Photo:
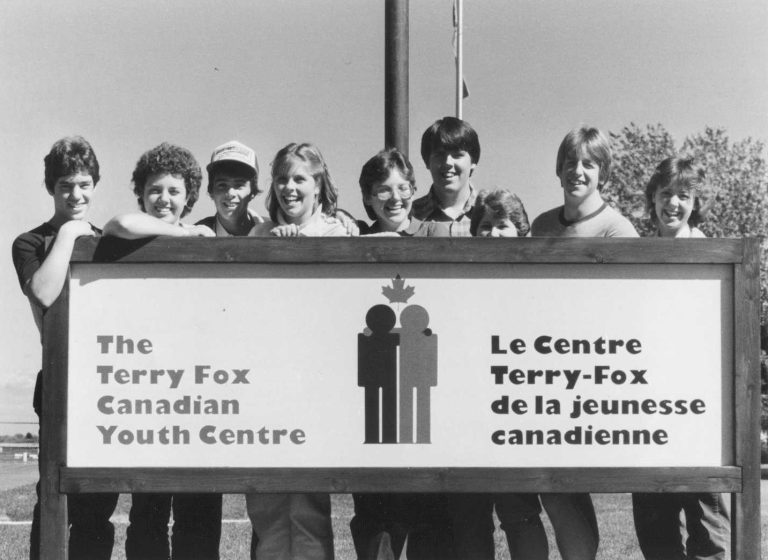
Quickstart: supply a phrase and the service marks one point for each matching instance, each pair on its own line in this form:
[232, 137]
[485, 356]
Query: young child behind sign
[41, 258]
[678, 198]
[500, 213]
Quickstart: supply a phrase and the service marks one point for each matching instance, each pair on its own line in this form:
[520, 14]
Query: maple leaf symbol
[399, 292]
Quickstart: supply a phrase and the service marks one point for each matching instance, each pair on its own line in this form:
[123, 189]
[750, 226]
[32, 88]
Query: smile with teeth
[672, 215]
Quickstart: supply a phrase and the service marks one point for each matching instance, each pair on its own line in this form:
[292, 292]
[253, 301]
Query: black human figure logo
[418, 372]
[377, 369]
[380, 370]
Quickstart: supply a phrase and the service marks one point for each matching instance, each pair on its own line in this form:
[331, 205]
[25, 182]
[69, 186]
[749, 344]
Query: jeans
[573, 519]
[291, 526]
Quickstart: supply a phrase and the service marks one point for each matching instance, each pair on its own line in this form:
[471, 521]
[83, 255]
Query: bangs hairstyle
[234, 169]
[71, 154]
[683, 173]
[377, 170]
[590, 141]
[173, 160]
[502, 204]
[308, 154]
[450, 133]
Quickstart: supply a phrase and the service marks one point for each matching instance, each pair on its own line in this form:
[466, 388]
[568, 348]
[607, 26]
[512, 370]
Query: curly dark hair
[171, 159]
[72, 154]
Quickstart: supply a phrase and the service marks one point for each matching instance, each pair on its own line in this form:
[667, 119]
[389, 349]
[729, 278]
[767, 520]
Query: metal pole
[459, 58]
[396, 75]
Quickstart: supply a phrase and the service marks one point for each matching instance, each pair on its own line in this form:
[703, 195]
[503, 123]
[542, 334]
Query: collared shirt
[416, 228]
[428, 209]
[218, 228]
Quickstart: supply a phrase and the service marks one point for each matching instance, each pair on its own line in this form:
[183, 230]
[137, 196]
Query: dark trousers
[661, 536]
[91, 534]
[196, 527]
[382, 522]
[519, 515]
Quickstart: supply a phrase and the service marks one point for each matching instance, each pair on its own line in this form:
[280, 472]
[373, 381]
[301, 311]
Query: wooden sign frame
[742, 479]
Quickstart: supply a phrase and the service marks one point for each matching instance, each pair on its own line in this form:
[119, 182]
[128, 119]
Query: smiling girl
[302, 196]
[678, 198]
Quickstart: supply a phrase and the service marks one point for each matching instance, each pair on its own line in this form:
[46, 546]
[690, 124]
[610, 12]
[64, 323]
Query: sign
[400, 365]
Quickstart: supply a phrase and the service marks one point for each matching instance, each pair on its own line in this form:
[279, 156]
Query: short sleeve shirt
[29, 251]
[605, 222]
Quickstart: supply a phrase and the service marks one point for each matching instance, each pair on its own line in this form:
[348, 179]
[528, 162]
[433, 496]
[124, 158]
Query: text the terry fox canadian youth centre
[183, 404]
[585, 413]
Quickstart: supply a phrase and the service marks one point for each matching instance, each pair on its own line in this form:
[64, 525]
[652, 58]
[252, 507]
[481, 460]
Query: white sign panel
[383, 365]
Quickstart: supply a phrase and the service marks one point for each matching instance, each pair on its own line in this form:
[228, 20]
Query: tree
[736, 171]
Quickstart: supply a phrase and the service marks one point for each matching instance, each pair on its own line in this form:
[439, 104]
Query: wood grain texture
[342, 480]
[407, 250]
[746, 505]
[53, 429]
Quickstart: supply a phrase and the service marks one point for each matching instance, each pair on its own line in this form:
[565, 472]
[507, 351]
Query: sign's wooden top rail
[413, 250]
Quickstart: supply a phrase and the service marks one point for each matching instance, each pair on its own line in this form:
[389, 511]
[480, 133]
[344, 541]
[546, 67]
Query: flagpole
[459, 58]
[396, 75]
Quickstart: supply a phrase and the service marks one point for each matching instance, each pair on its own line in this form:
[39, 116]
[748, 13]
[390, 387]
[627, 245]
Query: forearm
[137, 226]
[46, 283]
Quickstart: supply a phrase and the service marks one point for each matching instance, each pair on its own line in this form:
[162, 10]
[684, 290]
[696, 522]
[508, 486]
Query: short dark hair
[71, 154]
[450, 133]
[686, 173]
[503, 204]
[378, 168]
[171, 159]
[234, 169]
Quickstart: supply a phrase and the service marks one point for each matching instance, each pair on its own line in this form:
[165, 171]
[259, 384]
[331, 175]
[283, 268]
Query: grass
[614, 516]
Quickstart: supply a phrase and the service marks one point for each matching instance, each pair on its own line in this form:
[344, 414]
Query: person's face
[579, 176]
[72, 196]
[296, 192]
[391, 201]
[165, 196]
[450, 170]
[231, 195]
[673, 205]
[492, 225]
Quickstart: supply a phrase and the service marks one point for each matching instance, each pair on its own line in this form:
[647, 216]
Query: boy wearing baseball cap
[233, 177]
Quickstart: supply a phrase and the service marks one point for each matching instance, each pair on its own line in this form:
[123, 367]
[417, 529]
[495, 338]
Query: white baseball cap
[234, 151]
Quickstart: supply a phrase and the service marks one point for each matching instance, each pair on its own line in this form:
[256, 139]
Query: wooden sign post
[519, 365]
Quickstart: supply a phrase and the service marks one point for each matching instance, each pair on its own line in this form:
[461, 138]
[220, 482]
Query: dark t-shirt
[28, 252]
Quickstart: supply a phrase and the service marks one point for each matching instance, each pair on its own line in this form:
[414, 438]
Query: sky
[129, 75]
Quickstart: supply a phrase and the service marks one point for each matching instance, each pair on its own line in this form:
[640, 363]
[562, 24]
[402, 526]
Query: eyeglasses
[403, 191]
